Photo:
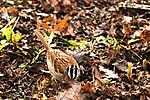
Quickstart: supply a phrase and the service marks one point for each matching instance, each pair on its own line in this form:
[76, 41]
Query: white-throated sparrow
[62, 66]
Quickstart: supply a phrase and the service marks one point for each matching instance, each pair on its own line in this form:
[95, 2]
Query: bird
[62, 67]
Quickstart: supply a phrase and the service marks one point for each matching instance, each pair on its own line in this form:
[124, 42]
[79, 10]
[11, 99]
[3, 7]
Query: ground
[110, 39]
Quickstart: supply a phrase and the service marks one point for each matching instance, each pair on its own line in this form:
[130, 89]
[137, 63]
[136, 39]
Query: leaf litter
[110, 39]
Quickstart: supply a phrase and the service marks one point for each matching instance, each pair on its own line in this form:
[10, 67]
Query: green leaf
[82, 44]
[13, 37]
[134, 27]
[38, 53]
[3, 31]
[71, 47]
[117, 47]
[10, 35]
[16, 37]
[134, 41]
[1, 46]
[100, 38]
[107, 81]
[73, 42]
[22, 65]
[7, 32]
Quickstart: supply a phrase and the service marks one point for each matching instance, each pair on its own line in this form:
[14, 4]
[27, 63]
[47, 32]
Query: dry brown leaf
[45, 25]
[129, 27]
[144, 34]
[73, 93]
[13, 11]
[53, 2]
[88, 88]
[62, 24]
[47, 19]
[70, 31]
[100, 85]
[35, 96]
[108, 73]
[112, 31]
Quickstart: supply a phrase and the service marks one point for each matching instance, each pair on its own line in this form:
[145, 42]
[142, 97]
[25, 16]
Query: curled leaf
[130, 66]
[132, 41]
[141, 74]
[144, 64]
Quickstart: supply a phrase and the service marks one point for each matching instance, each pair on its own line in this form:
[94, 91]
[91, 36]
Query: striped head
[73, 72]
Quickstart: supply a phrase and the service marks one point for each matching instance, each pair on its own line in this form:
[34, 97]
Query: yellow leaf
[144, 64]
[16, 37]
[130, 66]
[44, 83]
[44, 97]
[139, 77]
[35, 96]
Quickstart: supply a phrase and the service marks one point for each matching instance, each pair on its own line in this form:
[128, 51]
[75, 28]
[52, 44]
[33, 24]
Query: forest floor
[109, 38]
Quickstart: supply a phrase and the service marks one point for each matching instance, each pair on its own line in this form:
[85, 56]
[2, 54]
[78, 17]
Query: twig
[15, 24]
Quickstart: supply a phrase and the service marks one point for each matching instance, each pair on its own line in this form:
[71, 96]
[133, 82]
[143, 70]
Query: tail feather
[57, 76]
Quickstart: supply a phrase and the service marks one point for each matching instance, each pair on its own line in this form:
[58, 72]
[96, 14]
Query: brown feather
[57, 61]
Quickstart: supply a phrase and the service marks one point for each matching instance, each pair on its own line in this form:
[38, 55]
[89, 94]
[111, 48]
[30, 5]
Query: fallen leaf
[13, 11]
[141, 74]
[144, 34]
[45, 25]
[129, 73]
[88, 87]
[127, 19]
[62, 24]
[72, 93]
[47, 19]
